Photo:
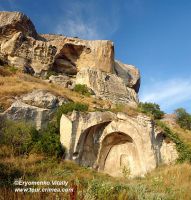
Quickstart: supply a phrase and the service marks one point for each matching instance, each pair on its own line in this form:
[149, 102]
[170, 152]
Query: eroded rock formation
[36, 108]
[22, 47]
[113, 143]
[108, 142]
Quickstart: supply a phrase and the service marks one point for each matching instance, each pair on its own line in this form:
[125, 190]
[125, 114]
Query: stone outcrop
[110, 142]
[13, 22]
[107, 86]
[129, 74]
[36, 108]
[36, 116]
[113, 143]
[62, 80]
[35, 54]
[22, 47]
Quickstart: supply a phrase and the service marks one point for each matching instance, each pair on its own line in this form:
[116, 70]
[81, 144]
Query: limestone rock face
[20, 111]
[36, 108]
[41, 98]
[107, 86]
[23, 47]
[129, 74]
[63, 80]
[112, 143]
[13, 22]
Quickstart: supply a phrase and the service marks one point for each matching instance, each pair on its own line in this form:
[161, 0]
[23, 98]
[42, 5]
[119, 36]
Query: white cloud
[78, 28]
[169, 94]
[85, 20]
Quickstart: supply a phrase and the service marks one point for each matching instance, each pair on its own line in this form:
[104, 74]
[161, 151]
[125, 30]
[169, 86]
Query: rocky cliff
[107, 141]
[91, 62]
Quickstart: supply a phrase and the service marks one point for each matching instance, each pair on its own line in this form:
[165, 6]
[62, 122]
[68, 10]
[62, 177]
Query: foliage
[183, 118]
[24, 139]
[126, 171]
[1, 108]
[48, 141]
[82, 89]
[50, 73]
[182, 148]
[17, 135]
[69, 107]
[151, 109]
[12, 69]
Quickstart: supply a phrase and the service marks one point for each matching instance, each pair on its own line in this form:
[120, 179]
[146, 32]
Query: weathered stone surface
[63, 80]
[129, 74]
[36, 108]
[37, 54]
[77, 53]
[20, 111]
[166, 152]
[23, 47]
[41, 98]
[107, 86]
[113, 143]
[12, 22]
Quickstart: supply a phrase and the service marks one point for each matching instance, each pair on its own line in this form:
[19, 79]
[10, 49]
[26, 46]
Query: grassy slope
[172, 182]
[18, 84]
[167, 182]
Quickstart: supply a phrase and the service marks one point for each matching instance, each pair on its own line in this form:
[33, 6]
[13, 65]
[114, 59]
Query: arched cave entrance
[88, 145]
[119, 155]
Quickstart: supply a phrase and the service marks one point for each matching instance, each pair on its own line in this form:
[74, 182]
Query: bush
[18, 135]
[151, 109]
[82, 89]
[48, 141]
[23, 139]
[12, 69]
[50, 73]
[183, 118]
[69, 107]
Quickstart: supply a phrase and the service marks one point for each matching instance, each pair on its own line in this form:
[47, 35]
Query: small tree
[183, 118]
[152, 109]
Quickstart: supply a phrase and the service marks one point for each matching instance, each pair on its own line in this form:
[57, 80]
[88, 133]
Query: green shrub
[69, 107]
[151, 109]
[50, 73]
[23, 139]
[82, 89]
[183, 118]
[12, 69]
[48, 142]
[17, 135]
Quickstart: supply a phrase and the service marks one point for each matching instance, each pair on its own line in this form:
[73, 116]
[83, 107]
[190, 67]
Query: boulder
[41, 99]
[107, 86]
[36, 108]
[129, 74]
[62, 80]
[20, 111]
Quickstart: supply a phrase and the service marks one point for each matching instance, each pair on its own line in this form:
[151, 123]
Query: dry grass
[174, 182]
[174, 179]
[18, 84]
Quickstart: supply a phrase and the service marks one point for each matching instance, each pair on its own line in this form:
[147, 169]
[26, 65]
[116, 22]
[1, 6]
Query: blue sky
[153, 35]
